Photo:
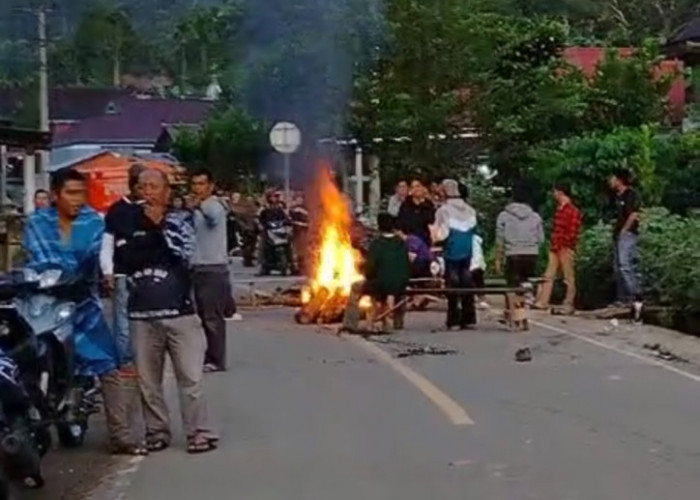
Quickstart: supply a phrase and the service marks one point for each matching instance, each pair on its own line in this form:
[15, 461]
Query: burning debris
[335, 263]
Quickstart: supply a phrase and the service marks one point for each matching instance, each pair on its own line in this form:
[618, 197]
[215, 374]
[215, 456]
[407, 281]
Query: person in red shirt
[562, 253]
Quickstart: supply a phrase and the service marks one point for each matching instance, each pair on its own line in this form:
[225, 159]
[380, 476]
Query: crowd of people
[163, 259]
[166, 271]
[440, 219]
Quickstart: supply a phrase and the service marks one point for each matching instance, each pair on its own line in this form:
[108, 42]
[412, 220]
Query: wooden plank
[465, 291]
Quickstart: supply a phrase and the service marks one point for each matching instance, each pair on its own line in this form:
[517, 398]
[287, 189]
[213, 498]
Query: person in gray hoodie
[519, 234]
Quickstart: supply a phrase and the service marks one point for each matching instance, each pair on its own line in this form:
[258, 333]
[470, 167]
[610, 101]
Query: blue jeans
[120, 320]
[626, 273]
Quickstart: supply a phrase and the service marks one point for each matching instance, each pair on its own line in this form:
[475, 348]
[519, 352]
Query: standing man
[42, 199]
[212, 285]
[68, 237]
[162, 320]
[118, 228]
[562, 252]
[397, 199]
[626, 236]
[519, 234]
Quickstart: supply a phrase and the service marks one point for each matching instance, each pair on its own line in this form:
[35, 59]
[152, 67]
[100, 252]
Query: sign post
[285, 137]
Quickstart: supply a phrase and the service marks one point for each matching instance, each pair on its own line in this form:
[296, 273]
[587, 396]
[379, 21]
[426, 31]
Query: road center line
[624, 352]
[452, 410]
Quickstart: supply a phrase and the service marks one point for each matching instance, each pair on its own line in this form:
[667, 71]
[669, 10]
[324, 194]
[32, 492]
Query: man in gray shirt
[212, 286]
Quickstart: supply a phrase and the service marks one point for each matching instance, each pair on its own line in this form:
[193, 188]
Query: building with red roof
[588, 59]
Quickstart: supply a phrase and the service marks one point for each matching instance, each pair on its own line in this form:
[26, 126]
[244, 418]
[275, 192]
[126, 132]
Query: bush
[669, 252]
[595, 282]
[669, 257]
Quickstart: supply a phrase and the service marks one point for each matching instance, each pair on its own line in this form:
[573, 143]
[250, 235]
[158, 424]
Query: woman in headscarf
[455, 225]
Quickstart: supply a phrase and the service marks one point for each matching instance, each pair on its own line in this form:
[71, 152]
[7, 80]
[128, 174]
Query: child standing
[387, 267]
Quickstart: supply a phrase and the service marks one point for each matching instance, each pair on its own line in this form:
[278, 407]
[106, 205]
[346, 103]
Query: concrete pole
[29, 174]
[3, 177]
[43, 167]
[287, 181]
[375, 187]
[359, 187]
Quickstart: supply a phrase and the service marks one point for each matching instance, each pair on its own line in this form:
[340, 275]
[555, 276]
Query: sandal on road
[129, 450]
[210, 436]
[200, 443]
[156, 445]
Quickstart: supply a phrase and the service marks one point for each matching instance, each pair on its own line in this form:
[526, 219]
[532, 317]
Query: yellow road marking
[452, 410]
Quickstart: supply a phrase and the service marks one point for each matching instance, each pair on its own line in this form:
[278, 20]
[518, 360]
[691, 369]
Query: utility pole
[43, 170]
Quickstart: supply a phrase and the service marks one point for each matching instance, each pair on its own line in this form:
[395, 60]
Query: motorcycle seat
[10, 285]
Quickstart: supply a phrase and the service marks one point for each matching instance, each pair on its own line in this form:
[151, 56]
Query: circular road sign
[285, 137]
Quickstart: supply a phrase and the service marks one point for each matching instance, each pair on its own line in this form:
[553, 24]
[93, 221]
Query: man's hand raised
[154, 212]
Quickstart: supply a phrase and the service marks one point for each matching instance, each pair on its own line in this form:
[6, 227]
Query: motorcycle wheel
[283, 263]
[68, 434]
[4, 488]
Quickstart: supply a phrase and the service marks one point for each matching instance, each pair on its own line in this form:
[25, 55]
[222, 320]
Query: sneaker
[237, 317]
[482, 305]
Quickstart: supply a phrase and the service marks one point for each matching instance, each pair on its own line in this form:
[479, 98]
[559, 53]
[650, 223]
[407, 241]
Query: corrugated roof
[135, 121]
[689, 32]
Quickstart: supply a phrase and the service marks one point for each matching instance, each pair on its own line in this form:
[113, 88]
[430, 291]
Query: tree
[629, 92]
[230, 143]
[205, 35]
[104, 45]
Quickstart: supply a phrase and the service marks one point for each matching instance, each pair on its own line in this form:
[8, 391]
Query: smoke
[298, 61]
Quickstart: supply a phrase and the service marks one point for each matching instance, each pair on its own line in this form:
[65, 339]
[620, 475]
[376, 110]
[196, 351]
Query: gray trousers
[122, 403]
[626, 271]
[212, 296]
[183, 340]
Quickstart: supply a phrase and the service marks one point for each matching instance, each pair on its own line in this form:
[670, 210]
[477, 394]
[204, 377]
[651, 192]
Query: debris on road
[405, 349]
[523, 355]
[664, 354]
[425, 351]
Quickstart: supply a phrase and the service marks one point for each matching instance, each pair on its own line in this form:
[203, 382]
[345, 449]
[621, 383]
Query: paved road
[305, 415]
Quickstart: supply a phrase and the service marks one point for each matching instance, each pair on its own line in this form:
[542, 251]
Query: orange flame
[335, 266]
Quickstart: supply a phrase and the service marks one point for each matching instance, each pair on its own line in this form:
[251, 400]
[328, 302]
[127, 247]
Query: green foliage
[528, 95]
[104, 45]
[586, 162]
[679, 164]
[628, 92]
[203, 41]
[595, 281]
[230, 144]
[669, 250]
[531, 96]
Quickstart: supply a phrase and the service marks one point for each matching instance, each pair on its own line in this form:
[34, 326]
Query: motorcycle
[277, 235]
[37, 339]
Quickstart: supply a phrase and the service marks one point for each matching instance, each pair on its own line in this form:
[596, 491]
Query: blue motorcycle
[40, 390]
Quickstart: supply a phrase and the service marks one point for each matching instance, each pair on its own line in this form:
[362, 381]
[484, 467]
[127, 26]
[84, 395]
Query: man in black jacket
[417, 213]
[162, 316]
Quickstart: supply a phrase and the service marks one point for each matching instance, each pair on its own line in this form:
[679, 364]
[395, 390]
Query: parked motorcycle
[277, 247]
[37, 346]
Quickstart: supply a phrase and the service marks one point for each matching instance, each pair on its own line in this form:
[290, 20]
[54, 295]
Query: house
[88, 120]
[133, 124]
[108, 174]
[587, 60]
[684, 44]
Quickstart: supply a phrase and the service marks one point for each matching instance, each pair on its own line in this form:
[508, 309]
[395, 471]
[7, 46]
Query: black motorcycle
[277, 247]
[37, 346]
